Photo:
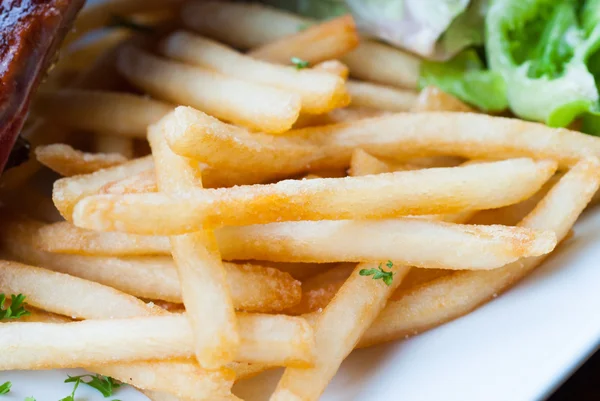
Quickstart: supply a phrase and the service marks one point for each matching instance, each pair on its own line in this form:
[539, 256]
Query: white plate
[518, 347]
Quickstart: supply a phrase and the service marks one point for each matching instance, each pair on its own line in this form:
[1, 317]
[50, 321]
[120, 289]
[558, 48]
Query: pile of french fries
[232, 202]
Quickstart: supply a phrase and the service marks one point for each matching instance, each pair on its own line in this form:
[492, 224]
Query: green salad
[540, 59]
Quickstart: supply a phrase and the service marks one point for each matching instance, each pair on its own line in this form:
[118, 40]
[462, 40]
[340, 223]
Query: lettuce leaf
[541, 49]
[466, 77]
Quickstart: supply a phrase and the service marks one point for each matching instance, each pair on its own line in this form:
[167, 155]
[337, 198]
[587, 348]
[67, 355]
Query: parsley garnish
[299, 63]
[104, 384]
[379, 273]
[29, 399]
[15, 310]
[5, 387]
[72, 396]
[118, 21]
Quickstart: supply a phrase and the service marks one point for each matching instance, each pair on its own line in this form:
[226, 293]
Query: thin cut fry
[253, 288]
[242, 25]
[430, 191]
[68, 191]
[362, 163]
[334, 67]
[67, 161]
[319, 290]
[269, 339]
[434, 99]
[418, 309]
[319, 92]
[99, 111]
[337, 330]
[255, 106]
[203, 283]
[135, 184]
[365, 94]
[331, 39]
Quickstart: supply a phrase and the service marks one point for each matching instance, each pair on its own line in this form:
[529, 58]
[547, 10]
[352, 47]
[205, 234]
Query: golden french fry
[253, 288]
[164, 396]
[416, 277]
[137, 183]
[418, 309]
[67, 161]
[203, 283]
[404, 241]
[99, 111]
[432, 98]
[269, 339]
[299, 271]
[337, 330]
[365, 94]
[78, 56]
[362, 163]
[319, 290]
[430, 191]
[333, 67]
[319, 92]
[242, 25]
[68, 191]
[235, 147]
[256, 106]
[318, 42]
[46, 289]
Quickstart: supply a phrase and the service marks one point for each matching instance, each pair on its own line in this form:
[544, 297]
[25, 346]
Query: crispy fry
[337, 330]
[432, 98]
[319, 92]
[334, 67]
[203, 283]
[68, 191]
[418, 309]
[135, 184]
[269, 339]
[242, 25]
[362, 163]
[331, 39]
[431, 191]
[253, 288]
[255, 106]
[319, 290]
[67, 161]
[365, 94]
[98, 111]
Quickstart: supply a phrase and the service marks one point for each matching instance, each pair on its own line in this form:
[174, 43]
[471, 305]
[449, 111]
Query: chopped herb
[16, 308]
[5, 387]
[104, 384]
[119, 21]
[379, 273]
[72, 396]
[299, 63]
[29, 399]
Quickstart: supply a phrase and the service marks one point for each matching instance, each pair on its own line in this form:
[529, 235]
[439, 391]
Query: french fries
[67, 161]
[269, 339]
[319, 92]
[380, 97]
[241, 25]
[337, 330]
[253, 288]
[203, 283]
[316, 43]
[255, 106]
[431, 191]
[104, 112]
[418, 308]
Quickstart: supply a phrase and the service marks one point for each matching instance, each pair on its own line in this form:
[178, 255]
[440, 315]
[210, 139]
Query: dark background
[584, 385]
